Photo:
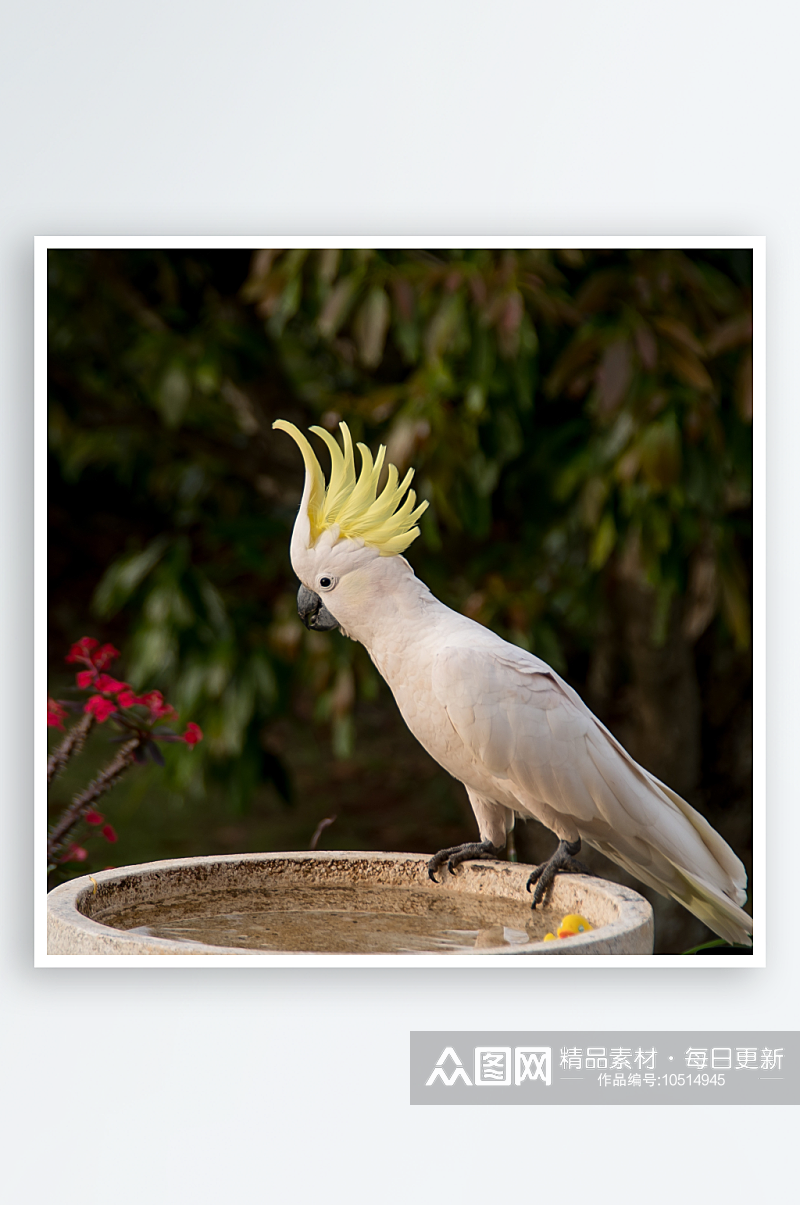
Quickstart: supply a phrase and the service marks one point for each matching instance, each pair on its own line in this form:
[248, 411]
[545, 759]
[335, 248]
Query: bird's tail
[717, 907]
[713, 897]
[714, 909]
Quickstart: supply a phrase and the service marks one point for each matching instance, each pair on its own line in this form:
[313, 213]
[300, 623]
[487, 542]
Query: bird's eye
[326, 582]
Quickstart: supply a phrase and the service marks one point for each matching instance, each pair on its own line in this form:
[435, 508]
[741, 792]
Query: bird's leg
[562, 860]
[462, 853]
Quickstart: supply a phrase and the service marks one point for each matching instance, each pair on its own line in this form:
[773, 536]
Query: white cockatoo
[497, 718]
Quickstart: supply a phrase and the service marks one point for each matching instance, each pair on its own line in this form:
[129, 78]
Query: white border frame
[42, 244]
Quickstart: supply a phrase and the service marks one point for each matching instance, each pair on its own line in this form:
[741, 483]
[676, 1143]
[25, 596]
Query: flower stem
[81, 803]
[72, 743]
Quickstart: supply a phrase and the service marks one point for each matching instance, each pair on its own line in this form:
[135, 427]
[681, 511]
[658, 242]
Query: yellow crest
[352, 503]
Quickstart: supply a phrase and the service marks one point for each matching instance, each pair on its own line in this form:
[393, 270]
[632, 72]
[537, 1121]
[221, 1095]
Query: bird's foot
[462, 853]
[564, 861]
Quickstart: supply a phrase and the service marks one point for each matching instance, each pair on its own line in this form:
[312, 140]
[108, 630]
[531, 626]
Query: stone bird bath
[336, 903]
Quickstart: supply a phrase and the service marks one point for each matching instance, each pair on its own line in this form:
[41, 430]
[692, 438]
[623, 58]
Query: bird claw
[541, 890]
[456, 854]
[562, 860]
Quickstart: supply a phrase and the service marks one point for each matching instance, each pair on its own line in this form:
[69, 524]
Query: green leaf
[343, 733]
[660, 454]
[603, 543]
[153, 654]
[336, 308]
[443, 326]
[124, 575]
[475, 399]
[173, 394]
[719, 945]
[370, 327]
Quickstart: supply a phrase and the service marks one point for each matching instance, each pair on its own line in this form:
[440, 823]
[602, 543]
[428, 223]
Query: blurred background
[580, 423]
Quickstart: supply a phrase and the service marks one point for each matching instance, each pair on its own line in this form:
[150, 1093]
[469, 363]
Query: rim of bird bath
[76, 910]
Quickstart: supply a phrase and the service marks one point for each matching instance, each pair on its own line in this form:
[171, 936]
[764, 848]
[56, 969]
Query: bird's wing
[526, 727]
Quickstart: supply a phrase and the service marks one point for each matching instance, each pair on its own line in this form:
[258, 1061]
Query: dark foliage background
[580, 422]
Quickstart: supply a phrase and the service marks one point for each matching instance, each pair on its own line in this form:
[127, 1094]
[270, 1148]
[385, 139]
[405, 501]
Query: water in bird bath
[363, 919]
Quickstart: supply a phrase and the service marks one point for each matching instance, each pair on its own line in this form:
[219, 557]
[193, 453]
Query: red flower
[85, 678]
[109, 833]
[104, 656]
[126, 698]
[193, 734]
[75, 853]
[82, 651]
[86, 650]
[109, 685]
[158, 708]
[93, 817]
[55, 714]
[100, 708]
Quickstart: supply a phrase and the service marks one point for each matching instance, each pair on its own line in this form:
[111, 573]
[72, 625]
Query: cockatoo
[497, 718]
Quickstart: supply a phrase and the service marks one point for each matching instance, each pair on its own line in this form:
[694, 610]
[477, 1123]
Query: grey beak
[313, 613]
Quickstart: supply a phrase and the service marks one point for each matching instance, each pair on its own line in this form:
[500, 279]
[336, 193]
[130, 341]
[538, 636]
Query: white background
[359, 118]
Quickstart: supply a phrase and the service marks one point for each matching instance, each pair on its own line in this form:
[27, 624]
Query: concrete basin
[336, 903]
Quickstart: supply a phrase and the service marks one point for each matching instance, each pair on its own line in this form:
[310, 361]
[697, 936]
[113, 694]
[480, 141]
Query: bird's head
[344, 529]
